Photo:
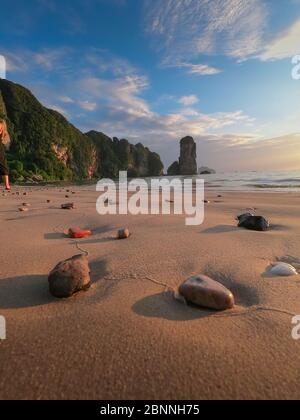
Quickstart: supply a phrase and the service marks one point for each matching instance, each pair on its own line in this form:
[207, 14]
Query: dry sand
[126, 338]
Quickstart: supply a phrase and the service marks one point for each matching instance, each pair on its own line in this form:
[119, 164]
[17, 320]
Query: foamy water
[254, 181]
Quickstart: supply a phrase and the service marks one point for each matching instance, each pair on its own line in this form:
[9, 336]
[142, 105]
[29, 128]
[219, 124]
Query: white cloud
[47, 59]
[123, 112]
[87, 106]
[202, 69]
[286, 45]
[186, 29]
[66, 99]
[59, 109]
[188, 100]
[198, 69]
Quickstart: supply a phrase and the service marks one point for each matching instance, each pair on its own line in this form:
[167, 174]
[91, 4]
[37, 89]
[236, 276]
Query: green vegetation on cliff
[119, 155]
[44, 143]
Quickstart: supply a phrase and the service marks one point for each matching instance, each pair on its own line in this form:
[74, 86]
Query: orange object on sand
[78, 233]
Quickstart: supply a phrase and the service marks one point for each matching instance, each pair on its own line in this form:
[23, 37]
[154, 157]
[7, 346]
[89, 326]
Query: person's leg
[6, 181]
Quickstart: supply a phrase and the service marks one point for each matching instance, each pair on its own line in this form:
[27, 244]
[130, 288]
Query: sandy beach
[126, 338]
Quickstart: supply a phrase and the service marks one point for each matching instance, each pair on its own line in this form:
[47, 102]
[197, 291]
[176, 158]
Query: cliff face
[187, 164]
[119, 155]
[188, 156]
[44, 143]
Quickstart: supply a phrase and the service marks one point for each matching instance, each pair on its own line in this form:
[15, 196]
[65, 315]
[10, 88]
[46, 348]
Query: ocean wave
[273, 186]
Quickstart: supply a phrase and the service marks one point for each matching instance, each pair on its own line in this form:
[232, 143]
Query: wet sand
[127, 339]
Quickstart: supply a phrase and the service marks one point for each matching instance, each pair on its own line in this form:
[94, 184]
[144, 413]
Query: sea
[261, 181]
[272, 181]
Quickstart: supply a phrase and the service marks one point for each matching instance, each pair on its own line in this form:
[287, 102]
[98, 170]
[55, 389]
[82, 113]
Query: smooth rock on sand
[244, 216]
[283, 270]
[123, 233]
[258, 223]
[78, 233]
[205, 292]
[70, 276]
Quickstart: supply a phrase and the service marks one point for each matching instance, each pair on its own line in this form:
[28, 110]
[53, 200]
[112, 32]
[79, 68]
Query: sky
[153, 71]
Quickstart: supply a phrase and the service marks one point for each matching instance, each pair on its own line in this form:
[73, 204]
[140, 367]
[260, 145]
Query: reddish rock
[207, 293]
[78, 233]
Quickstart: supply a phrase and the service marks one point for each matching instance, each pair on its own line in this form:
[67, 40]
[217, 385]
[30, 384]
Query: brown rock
[68, 206]
[70, 276]
[123, 234]
[203, 291]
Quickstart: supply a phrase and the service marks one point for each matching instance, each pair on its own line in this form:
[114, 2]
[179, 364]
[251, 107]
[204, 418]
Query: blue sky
[156, 70]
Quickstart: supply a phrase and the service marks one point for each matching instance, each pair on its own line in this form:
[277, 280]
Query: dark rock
[68, 206]
[174, 169]
[188, 156]
[206, 171]
[244, 216]
[207, 293]
[69, 277]
[257, 223]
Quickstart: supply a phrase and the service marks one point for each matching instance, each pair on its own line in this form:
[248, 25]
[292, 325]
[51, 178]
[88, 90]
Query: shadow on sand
[220, 229]
[32, 290]
[24, 292]
[164, 306]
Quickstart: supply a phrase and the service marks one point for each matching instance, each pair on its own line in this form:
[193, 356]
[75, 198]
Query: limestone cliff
[187, 164]
[45, 144]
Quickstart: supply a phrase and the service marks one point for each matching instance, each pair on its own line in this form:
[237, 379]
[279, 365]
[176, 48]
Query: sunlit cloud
[285, 45]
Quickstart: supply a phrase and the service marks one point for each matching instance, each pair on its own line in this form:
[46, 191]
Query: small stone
[68, 206]
[203, 291]
[251, 222]
[123, 234]
[78, 233]
[70, 276]
[23, 209]
[282, 269]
